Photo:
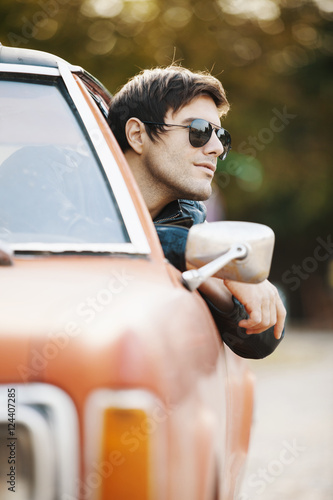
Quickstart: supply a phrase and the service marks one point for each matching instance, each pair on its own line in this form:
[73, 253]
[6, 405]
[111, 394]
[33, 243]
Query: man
[167, 122]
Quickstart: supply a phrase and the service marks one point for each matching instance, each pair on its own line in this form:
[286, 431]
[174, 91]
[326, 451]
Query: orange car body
[161, 409]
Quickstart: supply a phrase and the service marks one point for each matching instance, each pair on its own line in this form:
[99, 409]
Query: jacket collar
[170, 212]
[183, 213]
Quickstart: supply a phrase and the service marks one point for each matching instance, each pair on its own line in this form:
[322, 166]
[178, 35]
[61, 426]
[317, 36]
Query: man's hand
[263, 305]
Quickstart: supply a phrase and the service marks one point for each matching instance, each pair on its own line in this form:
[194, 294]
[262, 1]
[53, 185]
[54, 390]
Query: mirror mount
[233, 250]
[194, 278]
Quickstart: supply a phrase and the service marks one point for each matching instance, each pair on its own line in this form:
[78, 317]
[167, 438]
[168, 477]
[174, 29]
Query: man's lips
[208, 165]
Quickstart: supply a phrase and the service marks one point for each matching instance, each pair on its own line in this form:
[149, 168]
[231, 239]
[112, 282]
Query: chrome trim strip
[33, 70]
[45, 470]
[107, 248]
[54, 429]
[43, 479]
[122, 398]
[125, 203]
[62, 413]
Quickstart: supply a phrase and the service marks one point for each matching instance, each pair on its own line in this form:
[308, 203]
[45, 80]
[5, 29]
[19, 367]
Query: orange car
[114, 383]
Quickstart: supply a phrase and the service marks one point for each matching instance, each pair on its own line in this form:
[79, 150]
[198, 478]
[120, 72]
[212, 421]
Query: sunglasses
[200, 132]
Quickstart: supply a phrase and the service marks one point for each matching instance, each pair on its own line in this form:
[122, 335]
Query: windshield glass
[52, 186]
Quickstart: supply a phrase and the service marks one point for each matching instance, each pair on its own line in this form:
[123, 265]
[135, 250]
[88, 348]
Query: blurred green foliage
[275, 60]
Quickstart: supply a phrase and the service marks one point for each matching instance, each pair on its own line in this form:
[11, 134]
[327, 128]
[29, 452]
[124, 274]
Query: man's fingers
[272, 313]
[268, 318]
[281, 317]
[276, 318]
[253, 320]
[263, 305]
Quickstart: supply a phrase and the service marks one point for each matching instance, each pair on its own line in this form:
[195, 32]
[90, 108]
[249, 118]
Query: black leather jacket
[172, 226]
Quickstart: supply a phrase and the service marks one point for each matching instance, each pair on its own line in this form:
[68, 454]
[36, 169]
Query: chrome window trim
[138, 242]
[105, 248]
[96, 89]
[120, 191]
[32, 70]
[63, 429]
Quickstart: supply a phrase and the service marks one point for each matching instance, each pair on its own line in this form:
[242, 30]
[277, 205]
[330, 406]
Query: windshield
[52, 186]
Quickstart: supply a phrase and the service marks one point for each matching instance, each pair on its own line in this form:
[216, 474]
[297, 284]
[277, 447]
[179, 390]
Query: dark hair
[150, 94]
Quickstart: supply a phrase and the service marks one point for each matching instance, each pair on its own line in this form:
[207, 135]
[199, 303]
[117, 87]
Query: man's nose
[213, 146]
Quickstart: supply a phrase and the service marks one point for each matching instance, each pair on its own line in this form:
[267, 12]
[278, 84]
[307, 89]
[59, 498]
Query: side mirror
[239, 251]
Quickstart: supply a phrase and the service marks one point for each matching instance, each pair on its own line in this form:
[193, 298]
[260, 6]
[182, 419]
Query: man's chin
[203, 195]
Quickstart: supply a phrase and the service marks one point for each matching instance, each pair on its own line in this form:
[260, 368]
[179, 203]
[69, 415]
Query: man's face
[175, 166]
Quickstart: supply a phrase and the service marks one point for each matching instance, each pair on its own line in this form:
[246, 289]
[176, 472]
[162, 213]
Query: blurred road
[291, 449]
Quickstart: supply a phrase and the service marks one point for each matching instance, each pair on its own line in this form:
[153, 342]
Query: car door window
[52, 185]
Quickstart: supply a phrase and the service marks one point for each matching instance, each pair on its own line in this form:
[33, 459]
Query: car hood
[85, 322]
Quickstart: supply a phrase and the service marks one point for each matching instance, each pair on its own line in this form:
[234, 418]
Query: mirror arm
[194, 278]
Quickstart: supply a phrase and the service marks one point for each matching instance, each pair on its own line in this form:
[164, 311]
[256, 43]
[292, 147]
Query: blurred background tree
[274, 58]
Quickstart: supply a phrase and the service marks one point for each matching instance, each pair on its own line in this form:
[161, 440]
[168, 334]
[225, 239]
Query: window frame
[138, 244]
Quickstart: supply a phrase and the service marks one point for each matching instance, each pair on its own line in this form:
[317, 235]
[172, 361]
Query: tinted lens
[200, 133]
[225, 138]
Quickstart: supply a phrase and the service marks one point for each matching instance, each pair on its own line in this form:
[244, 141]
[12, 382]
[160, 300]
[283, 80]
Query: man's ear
[135, 132]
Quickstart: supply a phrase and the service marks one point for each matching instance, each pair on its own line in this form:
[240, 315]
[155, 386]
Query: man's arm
[245, 314]
[246, 334]
[261, 301]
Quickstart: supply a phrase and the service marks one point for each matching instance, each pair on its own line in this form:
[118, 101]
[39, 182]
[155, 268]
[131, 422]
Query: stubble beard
[193, 190]
[173, 186]
[184, 188]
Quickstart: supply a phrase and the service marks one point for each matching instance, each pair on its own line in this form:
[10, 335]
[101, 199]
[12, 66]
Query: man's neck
[154, 203]
[156, 197]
